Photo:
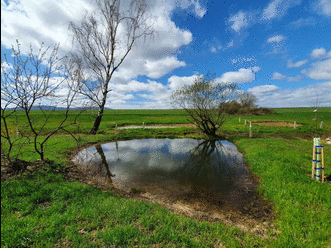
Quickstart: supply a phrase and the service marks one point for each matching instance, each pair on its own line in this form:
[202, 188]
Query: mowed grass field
[41, 209]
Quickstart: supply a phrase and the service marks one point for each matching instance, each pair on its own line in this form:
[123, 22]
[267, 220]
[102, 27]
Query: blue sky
[279, 50]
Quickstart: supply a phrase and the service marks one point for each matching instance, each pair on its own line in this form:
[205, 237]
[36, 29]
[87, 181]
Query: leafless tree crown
[205, 102]
[103, 40]
[32, 81]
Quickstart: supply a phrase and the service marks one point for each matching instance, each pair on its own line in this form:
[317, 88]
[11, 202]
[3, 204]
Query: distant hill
[45, 107]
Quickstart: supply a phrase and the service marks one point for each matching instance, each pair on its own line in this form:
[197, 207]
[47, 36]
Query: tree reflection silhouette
[208, 171]
[98, 169]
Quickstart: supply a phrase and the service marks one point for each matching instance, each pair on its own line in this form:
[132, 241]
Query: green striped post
[317, 144]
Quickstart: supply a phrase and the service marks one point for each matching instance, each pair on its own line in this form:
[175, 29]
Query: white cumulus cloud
[275, 97]
[320, 53]
[276, 38]
[281, 77]
[176, 82]
[36, 21]
[199, 11]
[258, 90]
[323, 7]
[157, 69]
[290, 64]
[241, 76]
[239, 21]
[297, 78]
[319, 70]
[136, 86]
[278, 76]
[278, 8]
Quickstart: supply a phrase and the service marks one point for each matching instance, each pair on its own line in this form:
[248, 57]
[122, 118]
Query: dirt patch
[157, 126]
[14, 168]
[254, 216]
[263, 123]
[276, 124]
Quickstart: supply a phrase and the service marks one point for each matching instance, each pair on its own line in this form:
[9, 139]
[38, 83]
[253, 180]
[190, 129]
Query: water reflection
[104, 164]
[173, 169]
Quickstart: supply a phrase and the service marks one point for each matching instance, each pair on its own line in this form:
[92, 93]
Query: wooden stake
[313, 165]
[17, 131]
[250, 129]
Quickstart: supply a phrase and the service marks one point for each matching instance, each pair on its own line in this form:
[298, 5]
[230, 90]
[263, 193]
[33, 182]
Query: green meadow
[40, 208]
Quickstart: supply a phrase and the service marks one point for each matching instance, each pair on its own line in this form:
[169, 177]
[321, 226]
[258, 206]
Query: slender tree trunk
[97, 122]
[42, 152]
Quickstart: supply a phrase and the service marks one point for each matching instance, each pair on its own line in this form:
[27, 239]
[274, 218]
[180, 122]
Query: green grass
[41, 209]
[303, 206]
[304, 116]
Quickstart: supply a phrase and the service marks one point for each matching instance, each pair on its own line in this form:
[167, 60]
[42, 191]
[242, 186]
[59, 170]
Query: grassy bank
[41, 209]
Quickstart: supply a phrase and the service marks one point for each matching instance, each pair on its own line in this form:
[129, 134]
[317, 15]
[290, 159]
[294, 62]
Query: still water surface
[174, 170]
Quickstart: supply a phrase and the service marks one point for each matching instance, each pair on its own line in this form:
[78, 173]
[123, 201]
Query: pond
[195, 176]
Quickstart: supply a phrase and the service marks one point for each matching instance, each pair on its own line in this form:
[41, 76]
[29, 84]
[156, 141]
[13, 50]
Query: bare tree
[8, 109]
[104, 38]
[205, 102]
[38, 81]
[247, 99]
[6, 112]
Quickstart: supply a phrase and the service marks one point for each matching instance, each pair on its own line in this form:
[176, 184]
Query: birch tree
[103, 40]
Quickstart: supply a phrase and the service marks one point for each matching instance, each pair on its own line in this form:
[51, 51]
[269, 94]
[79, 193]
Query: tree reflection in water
[173, 169]
[208, 172]
[102, 165]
